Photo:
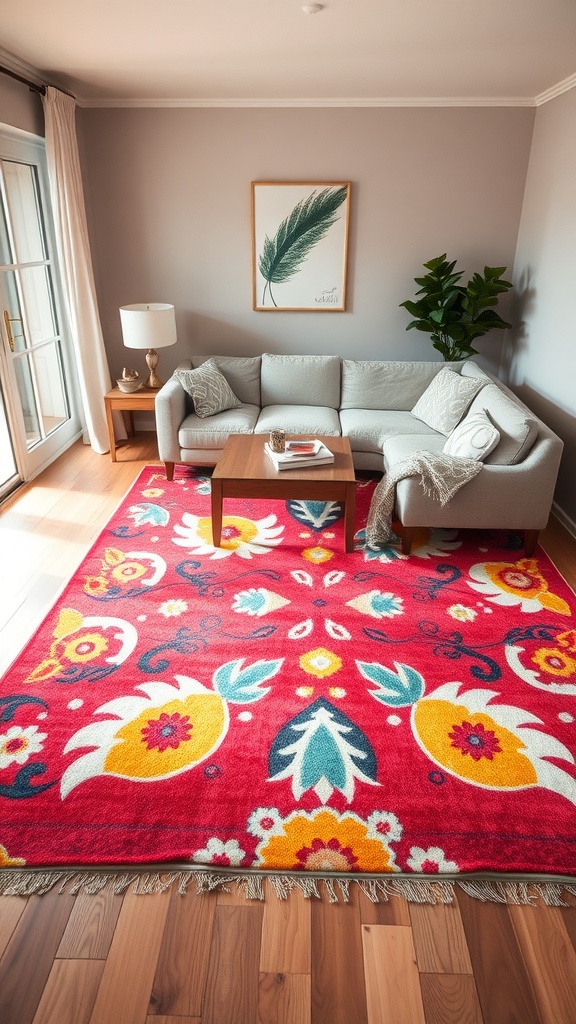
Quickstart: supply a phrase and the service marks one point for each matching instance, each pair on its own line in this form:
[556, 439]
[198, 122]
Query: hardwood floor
[217, 958]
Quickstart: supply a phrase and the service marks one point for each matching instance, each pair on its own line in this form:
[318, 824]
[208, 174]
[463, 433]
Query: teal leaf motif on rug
[146, 512]
[242, 686]
[397, 689]
[315, 514]
[323, 750]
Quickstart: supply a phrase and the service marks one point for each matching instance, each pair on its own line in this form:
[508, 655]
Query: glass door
[37, 418]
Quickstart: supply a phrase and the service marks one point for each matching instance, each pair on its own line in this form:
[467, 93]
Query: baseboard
[563, 518]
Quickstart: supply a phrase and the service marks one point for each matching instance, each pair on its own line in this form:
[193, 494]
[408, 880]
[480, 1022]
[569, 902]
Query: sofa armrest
[171, 406]
[499, 497]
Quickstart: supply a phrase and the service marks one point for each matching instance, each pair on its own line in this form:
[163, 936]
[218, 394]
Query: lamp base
[153, 380]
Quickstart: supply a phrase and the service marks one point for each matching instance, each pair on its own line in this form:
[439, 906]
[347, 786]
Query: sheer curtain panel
[76, 264]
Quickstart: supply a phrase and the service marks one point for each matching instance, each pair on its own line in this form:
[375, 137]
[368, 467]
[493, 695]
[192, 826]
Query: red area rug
[278, 705]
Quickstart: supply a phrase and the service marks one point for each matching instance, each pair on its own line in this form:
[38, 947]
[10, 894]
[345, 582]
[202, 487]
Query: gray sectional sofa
[389, 410]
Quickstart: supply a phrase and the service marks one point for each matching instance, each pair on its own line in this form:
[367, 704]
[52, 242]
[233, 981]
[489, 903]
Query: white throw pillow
[209, 389]
[446, 399]
[474, 438]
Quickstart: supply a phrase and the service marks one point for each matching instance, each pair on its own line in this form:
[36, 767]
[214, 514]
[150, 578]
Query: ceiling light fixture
[312, 8]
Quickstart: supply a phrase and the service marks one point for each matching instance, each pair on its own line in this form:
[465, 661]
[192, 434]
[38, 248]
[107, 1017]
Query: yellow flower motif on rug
[510, 583]
[240, 536]
[84, 643]
[6, 861]
[324, 840]
[165, 732]
[320, 663]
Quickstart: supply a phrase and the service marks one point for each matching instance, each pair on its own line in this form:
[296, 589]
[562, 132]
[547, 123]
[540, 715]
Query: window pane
[35, 289]
[50, 386]
[5, 250]
[37, 300]
[27, 401]
[14, 313]
[7, 460]
[27, 229]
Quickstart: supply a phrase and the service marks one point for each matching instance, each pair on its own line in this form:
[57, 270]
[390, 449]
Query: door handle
[9, 320]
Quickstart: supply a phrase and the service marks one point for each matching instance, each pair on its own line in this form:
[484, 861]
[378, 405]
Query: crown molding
[342, 102]
[19, 67]
[555, 90]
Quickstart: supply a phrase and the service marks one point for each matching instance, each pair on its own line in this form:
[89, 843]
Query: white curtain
[76, 264]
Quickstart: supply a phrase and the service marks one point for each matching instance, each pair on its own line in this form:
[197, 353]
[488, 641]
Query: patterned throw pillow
[209, 388]
[474, 438]
[446, 399]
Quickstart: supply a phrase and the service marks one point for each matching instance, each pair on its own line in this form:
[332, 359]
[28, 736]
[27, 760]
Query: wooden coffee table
[245, 471]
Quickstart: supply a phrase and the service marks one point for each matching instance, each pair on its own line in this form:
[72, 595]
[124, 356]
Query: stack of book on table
[299, 454]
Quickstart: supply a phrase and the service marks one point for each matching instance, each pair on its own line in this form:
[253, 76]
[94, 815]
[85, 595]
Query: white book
[294, 460]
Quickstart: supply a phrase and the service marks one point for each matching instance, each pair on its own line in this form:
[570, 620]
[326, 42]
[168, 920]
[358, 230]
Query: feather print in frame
[299, 245]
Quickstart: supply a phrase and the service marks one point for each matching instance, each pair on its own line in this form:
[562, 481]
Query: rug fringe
[518, 892]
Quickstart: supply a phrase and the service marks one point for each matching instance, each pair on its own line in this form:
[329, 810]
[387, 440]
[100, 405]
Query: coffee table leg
[216, 512]
[350, 516]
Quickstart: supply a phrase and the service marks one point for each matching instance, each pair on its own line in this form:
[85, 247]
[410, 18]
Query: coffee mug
[278, 440]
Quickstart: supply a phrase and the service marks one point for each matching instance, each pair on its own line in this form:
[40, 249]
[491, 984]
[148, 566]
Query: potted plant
[454, 315]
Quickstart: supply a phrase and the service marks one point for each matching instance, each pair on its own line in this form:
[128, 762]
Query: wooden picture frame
[300, 245]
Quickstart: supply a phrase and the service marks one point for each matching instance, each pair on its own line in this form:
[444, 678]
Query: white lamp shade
[148, 325]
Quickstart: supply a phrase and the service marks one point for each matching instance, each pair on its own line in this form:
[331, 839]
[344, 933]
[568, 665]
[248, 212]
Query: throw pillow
[209, 389]
[446, 399]
[474, 438]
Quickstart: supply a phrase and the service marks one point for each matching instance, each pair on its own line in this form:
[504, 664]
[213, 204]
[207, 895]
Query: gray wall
[20, 107]
[543, 350]
[168, 194]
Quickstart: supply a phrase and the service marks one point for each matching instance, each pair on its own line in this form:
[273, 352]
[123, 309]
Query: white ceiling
[242, 52]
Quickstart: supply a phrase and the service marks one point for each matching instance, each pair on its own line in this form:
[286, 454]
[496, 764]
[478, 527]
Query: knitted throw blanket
[441, 477]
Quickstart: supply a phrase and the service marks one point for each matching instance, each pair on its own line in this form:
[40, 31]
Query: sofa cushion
[474, 437]
[210, 391]
[471, 369]
[446, 399]
[197, 432]
[369, 429]
[298, 419]
[369, 384]
[518, 429]
[396, 449]
[300, 380]
[242, 374]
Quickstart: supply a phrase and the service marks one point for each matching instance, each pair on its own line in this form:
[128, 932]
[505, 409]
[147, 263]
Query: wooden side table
[142, 401]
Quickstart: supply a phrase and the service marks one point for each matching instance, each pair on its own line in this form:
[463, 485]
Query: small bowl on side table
[128, 386]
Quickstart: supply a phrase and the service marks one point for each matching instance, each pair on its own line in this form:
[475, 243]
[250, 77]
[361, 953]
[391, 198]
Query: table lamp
[149, 325]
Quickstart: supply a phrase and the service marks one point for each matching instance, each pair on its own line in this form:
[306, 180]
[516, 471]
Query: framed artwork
[299, 245]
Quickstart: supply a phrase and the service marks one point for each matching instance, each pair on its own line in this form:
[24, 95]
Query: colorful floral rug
[278, 705]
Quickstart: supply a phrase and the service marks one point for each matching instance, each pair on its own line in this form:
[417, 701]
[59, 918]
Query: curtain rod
[25, 81]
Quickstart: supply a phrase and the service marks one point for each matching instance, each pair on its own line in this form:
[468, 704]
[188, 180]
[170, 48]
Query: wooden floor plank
[569, 918]
[338, 993]
[450, 999]
[124, 992]
[183, 958]
[286, 935]
[70, 992]
[231, 992]
[91, 925]
[34, 942]
[153, 1019]
[393, 911]
[551, 961]
[284, 999]
[502, 980]
[11, 910]
[439, 939]
[392, 980]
